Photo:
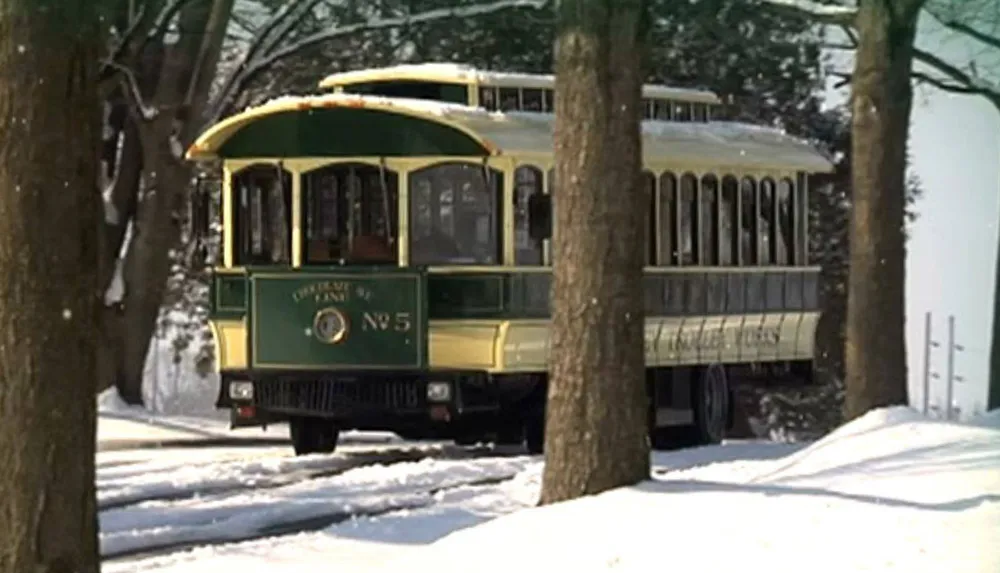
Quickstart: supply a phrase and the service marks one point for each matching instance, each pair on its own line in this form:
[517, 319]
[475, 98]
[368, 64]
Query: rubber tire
[313, 435]
[534, 434]
[711, 402]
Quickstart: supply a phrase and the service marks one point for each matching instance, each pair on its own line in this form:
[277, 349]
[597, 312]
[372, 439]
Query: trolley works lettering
[720, 339]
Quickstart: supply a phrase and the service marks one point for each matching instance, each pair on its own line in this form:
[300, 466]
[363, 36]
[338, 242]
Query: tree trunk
[176, 79]
[596, 424]
[875, 354]
[156, 233]
[49, 214]
[993, 390]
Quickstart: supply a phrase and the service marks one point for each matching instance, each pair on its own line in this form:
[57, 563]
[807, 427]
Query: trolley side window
[766, 252]
[262, 213]
[729, 236]
[649, 196]
[455, 215]
[687, 205]
[749, 222]
[669, 254]
[785, 224]
[710, 220]
[527, 184]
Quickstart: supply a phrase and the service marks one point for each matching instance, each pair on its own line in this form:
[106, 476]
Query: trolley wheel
[312, 435]
[534, 433]
[710, 400]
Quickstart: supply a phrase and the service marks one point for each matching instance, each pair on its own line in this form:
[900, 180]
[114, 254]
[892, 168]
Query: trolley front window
[262, 212]
[350, 215]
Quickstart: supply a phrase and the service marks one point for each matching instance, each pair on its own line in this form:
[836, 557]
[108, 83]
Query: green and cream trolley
[386, 263]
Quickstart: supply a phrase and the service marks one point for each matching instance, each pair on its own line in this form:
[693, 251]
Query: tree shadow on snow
[697, 486]
[686, 459]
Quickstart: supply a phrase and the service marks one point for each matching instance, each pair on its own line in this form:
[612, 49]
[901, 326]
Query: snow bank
[891, 491]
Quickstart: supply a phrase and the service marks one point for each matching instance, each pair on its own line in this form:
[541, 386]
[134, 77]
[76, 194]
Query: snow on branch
[134, 92]
[257, 60]
[824, 13]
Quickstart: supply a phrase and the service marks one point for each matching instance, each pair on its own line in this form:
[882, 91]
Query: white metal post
[927, 362]
[950, 391]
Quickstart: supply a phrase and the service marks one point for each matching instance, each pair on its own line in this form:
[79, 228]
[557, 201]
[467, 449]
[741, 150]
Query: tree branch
[967, 30]
[132, 92]
[126, 42]
[163, 20]
[945, 85]
[250, 69]
[835, 14]
[973, 84]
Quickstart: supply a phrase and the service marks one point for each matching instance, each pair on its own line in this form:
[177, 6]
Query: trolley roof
[347, 125]
[466, 74]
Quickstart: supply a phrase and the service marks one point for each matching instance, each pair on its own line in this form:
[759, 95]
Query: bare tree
[162, 91]
[49, 203]
[882, 34]
[596, 433]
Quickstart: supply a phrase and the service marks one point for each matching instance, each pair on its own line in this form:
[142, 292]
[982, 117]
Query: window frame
[496, 220]
[241, 234]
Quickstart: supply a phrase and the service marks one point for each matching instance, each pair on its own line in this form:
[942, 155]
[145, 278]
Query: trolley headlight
[438, 391]
[241, 390]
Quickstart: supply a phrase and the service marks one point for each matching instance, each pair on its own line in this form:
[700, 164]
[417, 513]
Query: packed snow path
[180, 499]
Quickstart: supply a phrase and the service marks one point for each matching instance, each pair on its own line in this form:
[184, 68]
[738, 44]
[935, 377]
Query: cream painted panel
[230, 338]
[525, 346]
[462, 345]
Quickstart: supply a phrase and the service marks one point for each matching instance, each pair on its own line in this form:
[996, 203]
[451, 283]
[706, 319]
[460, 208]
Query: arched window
[350, 215]
[785, 232]
[262, 211]
[710, 220]
[729, 243]
[455, 214]
[527, 182]
[649, 195]
[688, 207]
[748, 222]
[766, 225]
[668, 220]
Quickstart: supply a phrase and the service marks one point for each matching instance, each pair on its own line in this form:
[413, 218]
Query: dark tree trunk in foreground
[875, 355]
[596, 428]
[49, 214]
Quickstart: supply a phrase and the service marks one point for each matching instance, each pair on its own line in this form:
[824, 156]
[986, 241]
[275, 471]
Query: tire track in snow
[371, 507]
[334, 465]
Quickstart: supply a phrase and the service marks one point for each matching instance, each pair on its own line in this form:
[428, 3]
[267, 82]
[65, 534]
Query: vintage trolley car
[386, 263]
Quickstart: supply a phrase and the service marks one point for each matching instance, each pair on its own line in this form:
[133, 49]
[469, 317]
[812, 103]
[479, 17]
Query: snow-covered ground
[891, 491]
[120, 426]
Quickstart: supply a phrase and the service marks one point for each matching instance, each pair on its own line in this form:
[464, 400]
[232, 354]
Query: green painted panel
[347, 132]
[694, 292]
[229, 295]
[339, 320]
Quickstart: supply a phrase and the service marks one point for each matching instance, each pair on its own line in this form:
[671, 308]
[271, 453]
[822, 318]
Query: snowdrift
[891, 491]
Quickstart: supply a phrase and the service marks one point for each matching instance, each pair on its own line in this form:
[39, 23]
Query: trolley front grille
[337, 396]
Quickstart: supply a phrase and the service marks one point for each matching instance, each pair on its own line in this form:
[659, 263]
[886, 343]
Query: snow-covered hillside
[891, 491]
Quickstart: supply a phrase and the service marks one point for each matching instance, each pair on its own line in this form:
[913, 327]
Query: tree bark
[596, 417]
[875, 353]
[49, 216]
